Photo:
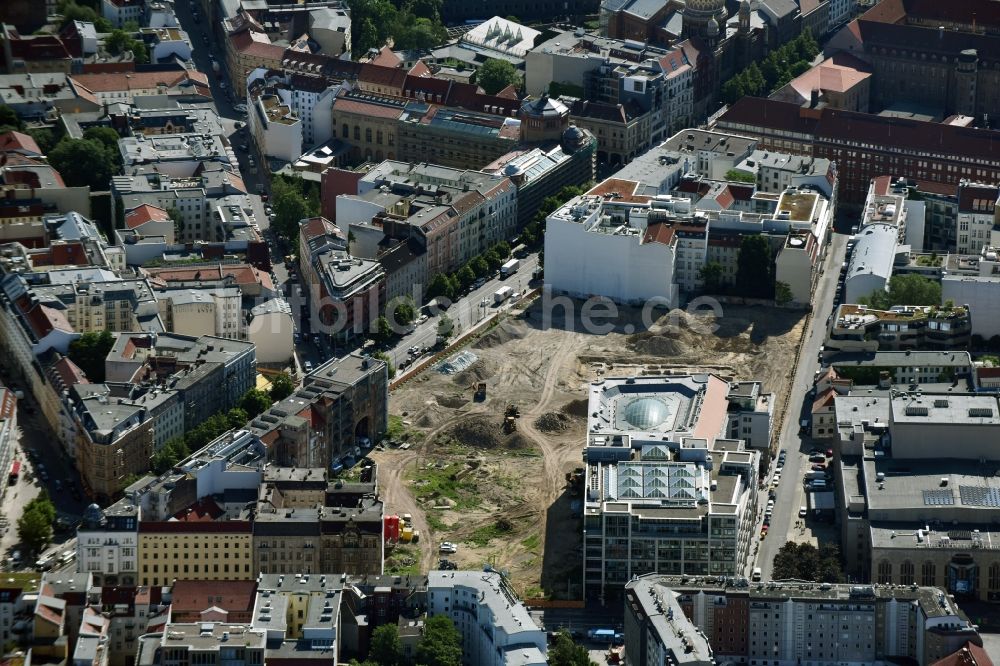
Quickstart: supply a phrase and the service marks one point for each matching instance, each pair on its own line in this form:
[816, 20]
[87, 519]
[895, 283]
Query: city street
[466, 311]
[790, 493]
[46, 459]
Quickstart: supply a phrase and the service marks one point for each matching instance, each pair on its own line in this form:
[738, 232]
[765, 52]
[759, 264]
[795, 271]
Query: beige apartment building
[200, 549]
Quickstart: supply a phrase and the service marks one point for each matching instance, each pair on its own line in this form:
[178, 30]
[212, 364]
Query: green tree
[44, 137]
[755, 268]
[84, 162]
[736, 176]
[494, 75]
[909, 289]
[105, 135]
[493, 259]
[34, 529]
[446, 328]
[103, 25]
[172, 453]
[89, 351]
[403, 310]
[428, 9]
[441, 644]
[383, 329]
[480, 267]
[131, 26]
[803, 561]
[754, 81]
[236, 418]
[386, 649]
[711, 275]
[390, 368]
[255, 402]
[503, 249]
[281, 386]
[564, 652]
[782, 292]
[72, 11]
[465, 276]
[440, 286]
[118, 41]
[417, 33]
[9, 120]
[372, 21]
[732, 90]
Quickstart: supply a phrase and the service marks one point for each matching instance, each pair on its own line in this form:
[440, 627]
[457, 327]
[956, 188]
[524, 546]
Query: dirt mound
[577, 408]
[477, 372]
[505, 332]
[656, 345]
[486, 432]
[553, 422]
[453, 401]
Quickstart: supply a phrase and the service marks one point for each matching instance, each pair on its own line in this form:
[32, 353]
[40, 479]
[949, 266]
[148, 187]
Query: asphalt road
[466, 312]
[791, 493]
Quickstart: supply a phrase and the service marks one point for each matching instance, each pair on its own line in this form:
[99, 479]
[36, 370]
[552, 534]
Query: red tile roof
[359, 107]
[969, 654]
[319, 226]
[386, 58]
[19, 142]
[140, 215]
[126, 81]
[204, 509]
[660, 232]
[390, 77]
[198, 595]
[69, 372]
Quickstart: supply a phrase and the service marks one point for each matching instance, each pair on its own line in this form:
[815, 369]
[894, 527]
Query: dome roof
[573, 138]
[93, 516]
[512, 170]
[646, 413]
[545, 106]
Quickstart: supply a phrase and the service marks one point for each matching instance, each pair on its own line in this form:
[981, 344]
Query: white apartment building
[272, 331]
[107, 544]
[977, 205]
[197, 312]
[495, 626]
[871, 261]
[611, 249]
[276, 129]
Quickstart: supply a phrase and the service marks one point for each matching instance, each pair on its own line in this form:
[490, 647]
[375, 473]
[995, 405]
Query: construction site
[485, 448]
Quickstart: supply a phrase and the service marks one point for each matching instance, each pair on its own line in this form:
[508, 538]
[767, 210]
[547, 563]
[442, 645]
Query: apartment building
[308, 95]
[664, 494]
[347, 293]
[860, 144]
[477, 600]
[790, 623]
[863, 329]
[305, 523]
[17, 597]
[205, 548]
[205, 643]
[121, 11]
[114, 441]
[248, 48]
[201, 198]
[107, 545]
[275, 128]
[341, 408]
[454, 137]
[210, 373]
[125, 86]
[972, 280]
[197, 312]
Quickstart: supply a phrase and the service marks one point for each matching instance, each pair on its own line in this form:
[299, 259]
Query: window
[994, 576]
[357, 133]
[906, 573]
[928, 574]
[885, 571]
[368, 135]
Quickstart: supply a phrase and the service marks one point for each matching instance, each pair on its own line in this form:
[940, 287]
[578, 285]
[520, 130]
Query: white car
[448, 547]
[242, 108]
[802, 512]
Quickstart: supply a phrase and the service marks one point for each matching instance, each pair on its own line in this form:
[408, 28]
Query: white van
[756, 574]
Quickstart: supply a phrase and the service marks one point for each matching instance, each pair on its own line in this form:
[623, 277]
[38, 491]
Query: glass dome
[646, 413]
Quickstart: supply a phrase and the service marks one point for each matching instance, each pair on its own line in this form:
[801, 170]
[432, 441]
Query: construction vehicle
[574, 481]
[510, 415]
[480, 390]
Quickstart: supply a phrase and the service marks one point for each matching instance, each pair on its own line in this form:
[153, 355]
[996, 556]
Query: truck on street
[510, 268]
[502, 294]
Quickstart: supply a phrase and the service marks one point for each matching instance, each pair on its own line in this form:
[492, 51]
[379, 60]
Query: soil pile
[553, 422]
[576, 408]
[477, 372]
[484, 432]
[453, 401]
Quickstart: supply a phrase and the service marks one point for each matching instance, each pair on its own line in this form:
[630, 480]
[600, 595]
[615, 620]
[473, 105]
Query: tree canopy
[118, 41]
[386, 649]
[564, 652]
[912, 289]
[9, 120]
[84, 162]
[777, 69]
[441, 644]
[255, 402]
[494, 75]
[293, 200]
[89, 351]
[409, 24]
[34, 527]
[803, 561]
[281, 387]
[755, 268]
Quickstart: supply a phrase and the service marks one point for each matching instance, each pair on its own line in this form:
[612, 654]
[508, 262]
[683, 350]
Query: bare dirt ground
[502, 498]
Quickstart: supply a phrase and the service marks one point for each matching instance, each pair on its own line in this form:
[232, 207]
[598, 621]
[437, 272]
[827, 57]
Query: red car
[829, 453]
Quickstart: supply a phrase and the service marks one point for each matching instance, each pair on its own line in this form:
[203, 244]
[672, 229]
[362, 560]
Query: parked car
[242, 108]
[802, 512]
[448, 547]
